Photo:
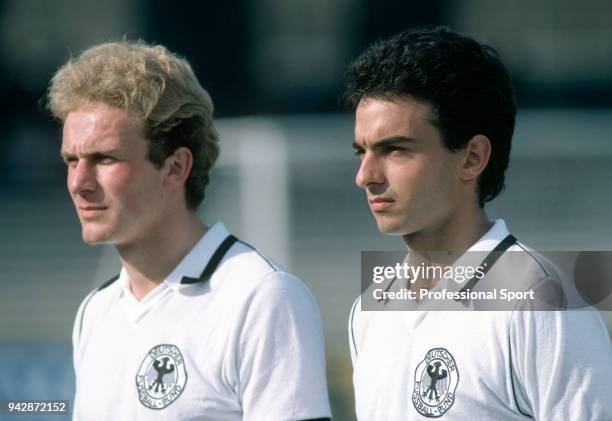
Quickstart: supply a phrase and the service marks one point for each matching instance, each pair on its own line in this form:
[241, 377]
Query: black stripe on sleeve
[512, 380]
[317, 419]
[351, 326]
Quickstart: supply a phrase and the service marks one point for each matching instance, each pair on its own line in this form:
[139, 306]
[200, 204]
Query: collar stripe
[107, 283]
[213, 263]
[490, 260]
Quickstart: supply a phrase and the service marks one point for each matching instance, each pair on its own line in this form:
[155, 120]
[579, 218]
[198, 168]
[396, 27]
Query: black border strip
[107, 283]
[489, 261]
[213, 263]
[100, 288]
[266, 259]
[512, 376]
[351, 325]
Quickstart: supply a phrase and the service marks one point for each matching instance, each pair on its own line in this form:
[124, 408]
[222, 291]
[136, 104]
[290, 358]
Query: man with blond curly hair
[197, 325]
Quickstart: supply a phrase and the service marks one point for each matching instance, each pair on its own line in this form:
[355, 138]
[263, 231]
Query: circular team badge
[435, 381]
[161, 377]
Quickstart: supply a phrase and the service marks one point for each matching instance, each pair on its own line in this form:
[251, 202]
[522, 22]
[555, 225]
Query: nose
[370, 172]
[81, 177]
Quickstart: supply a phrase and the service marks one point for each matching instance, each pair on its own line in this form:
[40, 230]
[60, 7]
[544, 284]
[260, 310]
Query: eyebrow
[387, 142]
[91, 155]
[66, 155]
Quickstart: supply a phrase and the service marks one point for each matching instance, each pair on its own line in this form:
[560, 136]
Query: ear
[177, 168]
[477, 153]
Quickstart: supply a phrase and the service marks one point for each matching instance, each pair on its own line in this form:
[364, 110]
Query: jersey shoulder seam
[273, 266]
[534, 258]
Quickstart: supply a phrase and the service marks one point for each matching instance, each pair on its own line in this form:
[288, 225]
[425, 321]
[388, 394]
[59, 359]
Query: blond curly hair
[154, 84]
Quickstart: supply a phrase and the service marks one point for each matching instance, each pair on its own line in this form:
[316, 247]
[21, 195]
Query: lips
[379, 204]
[88, 212]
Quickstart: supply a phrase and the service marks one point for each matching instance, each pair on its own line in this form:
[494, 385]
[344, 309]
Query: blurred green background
[284, 181]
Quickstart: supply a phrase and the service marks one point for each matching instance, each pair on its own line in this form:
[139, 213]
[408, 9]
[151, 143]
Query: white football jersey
[228, 335]
[482, 365]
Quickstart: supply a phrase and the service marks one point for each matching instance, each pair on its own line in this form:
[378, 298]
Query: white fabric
[250, 342]
[510, 365]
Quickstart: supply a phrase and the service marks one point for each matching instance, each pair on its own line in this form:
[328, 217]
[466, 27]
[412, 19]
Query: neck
[443, 244]
[149, 260]
[453, 236]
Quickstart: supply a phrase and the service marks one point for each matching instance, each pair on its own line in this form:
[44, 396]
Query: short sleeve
[281, 355]
[561, 365]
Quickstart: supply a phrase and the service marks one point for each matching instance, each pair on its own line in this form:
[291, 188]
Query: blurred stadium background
[285, 178]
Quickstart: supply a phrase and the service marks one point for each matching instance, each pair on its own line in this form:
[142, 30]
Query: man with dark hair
[197, 325]
[435, 115]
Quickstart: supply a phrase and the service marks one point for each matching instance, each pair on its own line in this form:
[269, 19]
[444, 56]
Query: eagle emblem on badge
[161, 377]
[435, 382]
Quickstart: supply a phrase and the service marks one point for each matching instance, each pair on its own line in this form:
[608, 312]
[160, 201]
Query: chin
[389, 228]
[397, 233]
[397, 225]
[93, 238]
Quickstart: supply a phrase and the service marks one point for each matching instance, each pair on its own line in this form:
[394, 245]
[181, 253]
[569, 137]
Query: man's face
[118, 193]
[411, 179]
